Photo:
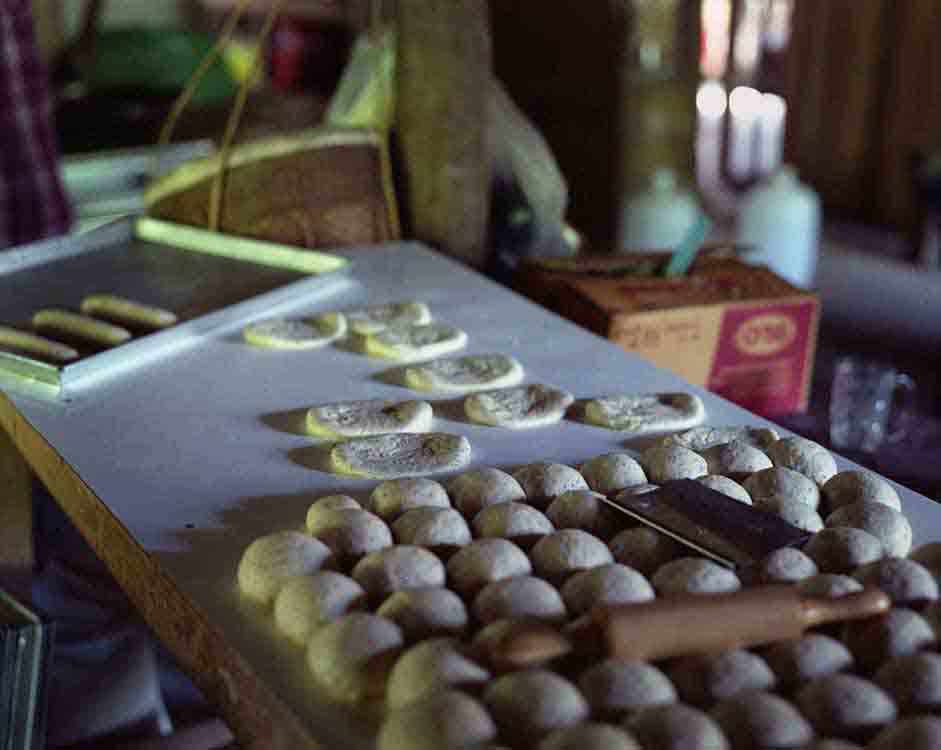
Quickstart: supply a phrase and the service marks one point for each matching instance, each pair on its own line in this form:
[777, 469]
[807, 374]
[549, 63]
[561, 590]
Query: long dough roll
[127, 311]
[81, 326]
[30, 343]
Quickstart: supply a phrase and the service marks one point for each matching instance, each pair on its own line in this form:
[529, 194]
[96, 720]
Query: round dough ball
[429, 667]
[762, 721]
[915, 733]
[589, 736]
[443, 530]
[425, 613]
[446, 719]
[474, 490]
[531, 703]
[928, 555]
[793, 511]
[829, 585]
[736, 459]
[728, 487]
[846, 706]
[905, 581]
[705, 679]
[394, 497]
[351, 656]
[484, 561]
[694, 575]
[524, 596]
[913, 681]
[665, 463]
[582, 509]
[887, 525]
[614, 688]
[898, 632]
[677, 727]
[859, 486]
[396, 569]
[779, 481]
[271, 561]
[543, 482]
[518, 522]
[841, 549]
[307, 602]
[786, 565]
[808, 658]
[605, 585]
[320, 507]
[613, 472]
[562, 553]
[809, 458]
[352, 533]
[645, 549]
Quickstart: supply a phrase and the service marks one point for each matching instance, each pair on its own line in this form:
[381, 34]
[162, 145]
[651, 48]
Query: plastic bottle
[780, 220]
[657, 218]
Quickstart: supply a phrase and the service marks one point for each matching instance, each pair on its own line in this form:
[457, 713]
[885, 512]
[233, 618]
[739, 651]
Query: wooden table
[171, 469]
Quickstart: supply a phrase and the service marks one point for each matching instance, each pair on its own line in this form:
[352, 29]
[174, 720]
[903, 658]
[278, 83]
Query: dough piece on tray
[309, 333]
[271, 561]
[518, 408]
[475, 372]
[394, 497]
[375, 318]
[415, 342]
[700, 438]
[81, 327]
[31, 344]
[310, 601]
[127, 311]
[351, 419]
[646, 412]
[401, 455]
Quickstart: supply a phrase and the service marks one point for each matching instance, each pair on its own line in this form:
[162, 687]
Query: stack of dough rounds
[613, 472]
[543, 482]
[519, 408]
[126, 311]
[415, 342]
[474, 490]
[392, 498]
[375, 318]
[271, 561]
[475, 372]
[401, 455]
[307, 602]
[352, 419]
[641, 413]
[312, 333]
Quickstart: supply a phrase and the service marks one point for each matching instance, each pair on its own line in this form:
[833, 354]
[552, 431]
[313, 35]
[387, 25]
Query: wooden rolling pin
[686, 624]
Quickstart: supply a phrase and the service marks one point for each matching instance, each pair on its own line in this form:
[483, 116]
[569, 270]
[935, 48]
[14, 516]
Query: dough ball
[524, 596]
[425, 613]
[351, 657]
[664, 463]
[319, 509]
[531, 703]
[779, 481]
[484, 561]
[859, 486]
[446, 719]
[589, 736]
[841, 549]
[793, 511]
[932, 613]
[736, 460]
[605, 585]
[613, 472]
[352, 533]
[396, 569]
[703, 680]
[786, 565]
[557, 556]
[898, 632]
[809, 458]
[806, 659]
[518, 522]
[905, 581]
[928, 555]
[728, 487]
[645, 549]
[543, 482]
[582, 509]
[677, 727]
[694, 575]
[307, 602]
[829, 585]
[846, 706]
[474, 490]
[887, 525]
[443, 530]
[270, 561]
[913, 681]
[394, 497]
[914, 733]
[762, 721]
[430, 667]
[614, 688]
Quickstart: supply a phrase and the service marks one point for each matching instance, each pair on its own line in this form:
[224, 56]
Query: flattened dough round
[349, 419]
[375, 318]
[309, 333]
[415, 342]
[640, 413]
[475, 372]
[518, 408]
[700, 438]
[405, 454]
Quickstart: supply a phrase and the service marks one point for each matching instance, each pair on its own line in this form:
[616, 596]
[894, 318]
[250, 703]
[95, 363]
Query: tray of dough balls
[84, 305]
[398, 602]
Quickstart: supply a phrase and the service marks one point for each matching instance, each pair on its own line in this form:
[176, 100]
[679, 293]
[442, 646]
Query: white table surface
[199, 453]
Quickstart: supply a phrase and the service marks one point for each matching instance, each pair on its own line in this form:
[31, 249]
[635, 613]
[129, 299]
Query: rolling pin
[685, 624]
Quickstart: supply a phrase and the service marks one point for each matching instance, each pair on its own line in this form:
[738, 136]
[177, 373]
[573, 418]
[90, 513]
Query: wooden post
[16, 510]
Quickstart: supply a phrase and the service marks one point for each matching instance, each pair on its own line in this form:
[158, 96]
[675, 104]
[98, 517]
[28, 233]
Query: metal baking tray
[207, 279]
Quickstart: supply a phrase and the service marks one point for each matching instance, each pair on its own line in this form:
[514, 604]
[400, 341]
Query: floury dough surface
[415, 342]
[271, 561]
[640, 413]
[518, 408]
[375, 318]
[702, 438]
[476, 372]
[348, 419]
[401, 455]
[308, 333]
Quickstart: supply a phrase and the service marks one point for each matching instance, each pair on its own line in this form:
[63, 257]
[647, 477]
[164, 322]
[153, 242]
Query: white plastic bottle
[780, 220]
[657, 218]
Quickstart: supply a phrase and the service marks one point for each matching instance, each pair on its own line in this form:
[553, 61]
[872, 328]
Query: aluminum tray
[208, 280]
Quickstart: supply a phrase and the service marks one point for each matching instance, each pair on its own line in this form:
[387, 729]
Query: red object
[307, 55]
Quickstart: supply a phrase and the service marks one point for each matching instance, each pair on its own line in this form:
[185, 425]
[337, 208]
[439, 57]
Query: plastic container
[657, 219]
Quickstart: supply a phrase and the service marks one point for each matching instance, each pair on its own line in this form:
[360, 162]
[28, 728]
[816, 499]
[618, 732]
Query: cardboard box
[739, 330]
